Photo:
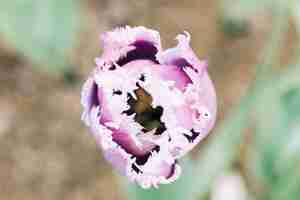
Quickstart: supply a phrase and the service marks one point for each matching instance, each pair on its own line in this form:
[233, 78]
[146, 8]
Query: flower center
[145, 114]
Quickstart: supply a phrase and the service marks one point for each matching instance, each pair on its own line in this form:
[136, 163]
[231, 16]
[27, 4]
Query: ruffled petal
[196, 117]
[182, 55]
[89, 98]
[159, 168]
[127, 44]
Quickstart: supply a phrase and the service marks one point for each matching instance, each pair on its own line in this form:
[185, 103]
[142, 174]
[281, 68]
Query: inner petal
[175, 73]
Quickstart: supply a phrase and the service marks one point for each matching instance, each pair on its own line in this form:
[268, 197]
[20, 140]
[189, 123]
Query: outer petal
[123, 37]
[157, 172]
[182, 55]
[198, 115]
[89, 99]
[115, 154]
[159, 168]
[202, 97]
[135, 43]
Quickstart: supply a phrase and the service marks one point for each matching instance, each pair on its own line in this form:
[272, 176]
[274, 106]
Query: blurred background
[47, 49]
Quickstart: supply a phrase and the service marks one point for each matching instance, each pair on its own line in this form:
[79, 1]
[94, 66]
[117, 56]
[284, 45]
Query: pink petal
[183, 101]
[129, 43]
[182, 55]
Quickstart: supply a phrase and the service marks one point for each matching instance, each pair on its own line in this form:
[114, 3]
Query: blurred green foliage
[43, 31]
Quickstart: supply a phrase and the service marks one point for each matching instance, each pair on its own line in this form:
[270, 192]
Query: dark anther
[142, 77]
[136, 169]
[128, 112]
[160, 129]
[141, 160]
[113, 67]
[117, 92]
[193, 136]
[144, 130]
[156, 148]
[130, 101]
[158, 111]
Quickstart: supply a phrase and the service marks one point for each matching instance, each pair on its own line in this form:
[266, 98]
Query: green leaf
[44, 31]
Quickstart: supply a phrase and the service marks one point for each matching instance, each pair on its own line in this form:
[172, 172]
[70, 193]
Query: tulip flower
[147, 107]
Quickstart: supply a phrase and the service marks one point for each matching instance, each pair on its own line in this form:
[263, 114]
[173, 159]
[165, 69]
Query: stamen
[160, 129]
[146, 115]
[192, 137]
[117, 92]
[136, 169]
[142, 77]
[113, 67]
[141, 160]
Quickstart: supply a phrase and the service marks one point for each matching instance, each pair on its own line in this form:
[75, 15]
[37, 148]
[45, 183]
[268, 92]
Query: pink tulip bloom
[147, 107]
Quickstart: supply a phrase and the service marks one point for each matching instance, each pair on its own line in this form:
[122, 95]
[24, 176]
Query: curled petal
[126, 44]
[123, 37]
[157, 170]
[182, 55]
